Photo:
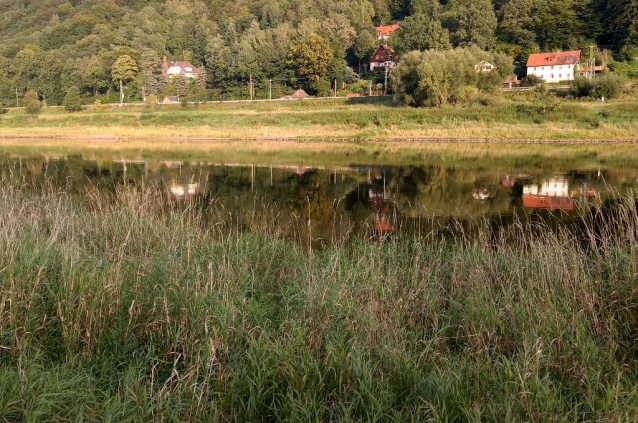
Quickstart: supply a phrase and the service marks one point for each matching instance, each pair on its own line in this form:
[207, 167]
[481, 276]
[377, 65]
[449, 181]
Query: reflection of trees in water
[337, 200]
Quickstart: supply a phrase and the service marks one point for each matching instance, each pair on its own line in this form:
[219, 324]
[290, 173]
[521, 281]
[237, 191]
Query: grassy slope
[132, 311]
[336, 118]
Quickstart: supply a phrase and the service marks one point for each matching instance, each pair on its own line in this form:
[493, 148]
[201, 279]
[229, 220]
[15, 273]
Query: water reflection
[335, 200]
[553, 194]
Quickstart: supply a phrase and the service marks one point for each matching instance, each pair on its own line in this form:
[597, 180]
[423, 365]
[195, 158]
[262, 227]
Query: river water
[323, 202]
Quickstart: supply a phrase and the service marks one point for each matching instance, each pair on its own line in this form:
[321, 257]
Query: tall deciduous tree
[518, 22]
[476, 24]
[311, 56]
[124, 69]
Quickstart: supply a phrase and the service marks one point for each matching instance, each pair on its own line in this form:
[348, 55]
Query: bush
[3, 109]
[629, 53]
[32, 104]
[72, 100]
[531, 81]
[433, 78]
[608, 85]
[150, 102]
[582, 87]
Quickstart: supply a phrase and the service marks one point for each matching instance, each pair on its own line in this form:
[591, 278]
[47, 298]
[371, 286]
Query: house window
[552, 67]
[568, 75]
[551, 76]
[560, 75]
[560, 67]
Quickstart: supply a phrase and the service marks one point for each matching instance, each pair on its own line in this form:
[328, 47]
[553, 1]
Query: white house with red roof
[384, 57]
[554, 67]
[183, 67]
[383, 32]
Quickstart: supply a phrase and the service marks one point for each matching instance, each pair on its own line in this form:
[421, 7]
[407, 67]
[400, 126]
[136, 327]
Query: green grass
[122, 308]
[508, 118]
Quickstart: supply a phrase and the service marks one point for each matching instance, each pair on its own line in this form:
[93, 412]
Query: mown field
[505, 118]
[119, 307]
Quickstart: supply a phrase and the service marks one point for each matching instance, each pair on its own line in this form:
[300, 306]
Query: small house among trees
[170, 99]
[383, 32]
[384, 57]
[296, 95]
[554, 67]
[182, 67]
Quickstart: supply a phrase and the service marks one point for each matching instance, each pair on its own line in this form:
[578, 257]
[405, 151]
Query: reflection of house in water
[380, 200]
[481, 194]
[553, 194]
[508, 181]
[182, 191]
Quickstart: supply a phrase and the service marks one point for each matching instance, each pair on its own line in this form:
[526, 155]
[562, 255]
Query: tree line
[113, 50]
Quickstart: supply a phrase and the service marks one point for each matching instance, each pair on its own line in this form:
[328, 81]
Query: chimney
[165, 65]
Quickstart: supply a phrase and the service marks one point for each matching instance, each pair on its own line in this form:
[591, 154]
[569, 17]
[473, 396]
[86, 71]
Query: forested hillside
[50, 46]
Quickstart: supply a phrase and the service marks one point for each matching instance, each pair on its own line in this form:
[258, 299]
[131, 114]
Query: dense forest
[51, 46]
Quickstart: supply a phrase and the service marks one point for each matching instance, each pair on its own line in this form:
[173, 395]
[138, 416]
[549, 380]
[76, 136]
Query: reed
[121, 307]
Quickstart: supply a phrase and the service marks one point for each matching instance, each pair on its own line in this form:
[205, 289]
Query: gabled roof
[386, 29]
[386, 52]
[184, 64]
[551, 59]
[297, 94]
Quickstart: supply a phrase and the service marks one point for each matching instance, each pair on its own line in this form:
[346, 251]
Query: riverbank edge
[330, 139]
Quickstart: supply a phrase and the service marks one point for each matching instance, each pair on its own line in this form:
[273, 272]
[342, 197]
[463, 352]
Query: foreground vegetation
[122, 308]
[516, 116]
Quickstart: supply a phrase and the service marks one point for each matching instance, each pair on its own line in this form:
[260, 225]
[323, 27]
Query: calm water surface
[336, 200]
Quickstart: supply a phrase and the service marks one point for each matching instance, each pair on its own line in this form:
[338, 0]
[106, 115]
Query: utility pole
[590, 65]
[385, 88]
[251, 87]
[370, 87]
[270, 95]
[335, 87]
[17, 97]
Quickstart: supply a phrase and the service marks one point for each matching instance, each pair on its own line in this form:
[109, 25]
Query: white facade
[186, 70]
[553, 73]
[555, 187]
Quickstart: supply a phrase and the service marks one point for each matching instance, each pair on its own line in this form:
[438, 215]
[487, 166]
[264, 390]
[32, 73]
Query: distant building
[554, 67]
[170, 99]
[511, 81]
[296, 95]
[484, 67]
[383, 58]
[383, 32]
[181, 67]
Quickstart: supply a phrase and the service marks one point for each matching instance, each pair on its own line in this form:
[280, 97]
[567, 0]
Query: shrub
[3, 109]
[531, 81]
[150, 102]
[582, 87]
[608, 85]
[72, 100]
[433, 78]
[629, 53]
[32, 104]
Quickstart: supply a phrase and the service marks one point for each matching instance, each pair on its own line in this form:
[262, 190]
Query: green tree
[476, 25]
[518, 22]
[556, 24]
[150, 102]
[72, 100]
[31, 102]
[311, 56]
[181, 85]
[124, 69]
[419, 32]
[364, 45]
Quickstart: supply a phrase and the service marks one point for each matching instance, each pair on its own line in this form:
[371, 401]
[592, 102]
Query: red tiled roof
[384, 53]
[551, 59]
[386, 30]
[548, 202]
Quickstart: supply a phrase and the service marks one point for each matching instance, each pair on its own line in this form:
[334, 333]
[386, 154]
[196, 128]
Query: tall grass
[124, 308]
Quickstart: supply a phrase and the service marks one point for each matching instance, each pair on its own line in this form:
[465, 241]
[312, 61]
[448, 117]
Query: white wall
[553, 73]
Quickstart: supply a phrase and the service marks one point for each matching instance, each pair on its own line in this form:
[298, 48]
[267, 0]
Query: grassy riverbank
[340, 118]
[124, 309]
